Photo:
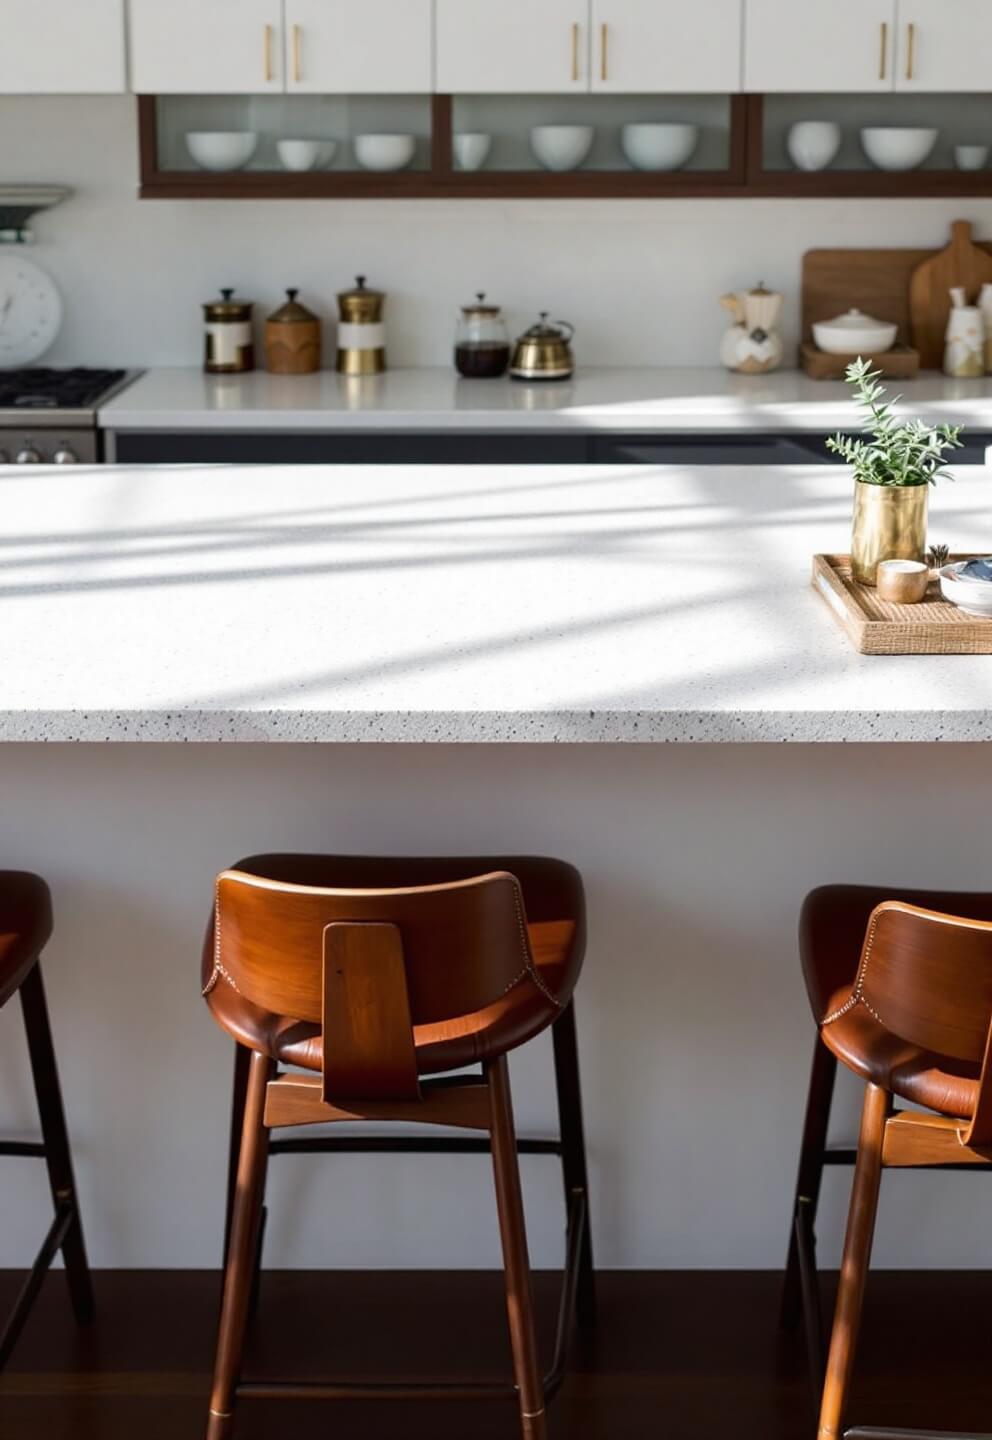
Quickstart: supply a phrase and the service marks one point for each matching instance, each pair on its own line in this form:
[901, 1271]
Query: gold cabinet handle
[884, 58]
[575, 51]
[268, 55]
[297, 50]
[910, 50]
[604, 53]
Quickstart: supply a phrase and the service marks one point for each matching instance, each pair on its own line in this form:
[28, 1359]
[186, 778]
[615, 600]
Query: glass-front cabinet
[595, 98]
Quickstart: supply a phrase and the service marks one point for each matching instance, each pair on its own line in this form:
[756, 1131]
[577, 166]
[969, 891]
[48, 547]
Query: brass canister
[230, 341]
[890, 523]
[292, 339]
[361, 332]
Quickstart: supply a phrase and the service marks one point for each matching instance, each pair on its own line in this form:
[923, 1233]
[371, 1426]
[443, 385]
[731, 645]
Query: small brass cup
[902, 582]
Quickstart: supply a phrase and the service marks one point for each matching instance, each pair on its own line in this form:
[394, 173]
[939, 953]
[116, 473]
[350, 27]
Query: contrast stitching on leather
[857, 996]
[529, 967]
[218, 972]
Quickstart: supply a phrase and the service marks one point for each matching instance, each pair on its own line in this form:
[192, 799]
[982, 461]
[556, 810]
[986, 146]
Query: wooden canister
[292, 339]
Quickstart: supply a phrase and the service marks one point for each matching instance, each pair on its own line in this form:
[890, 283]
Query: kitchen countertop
[412, 603]
[662, 400]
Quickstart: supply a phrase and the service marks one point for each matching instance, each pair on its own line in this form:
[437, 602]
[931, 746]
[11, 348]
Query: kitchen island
[604, 604]
[461, 620]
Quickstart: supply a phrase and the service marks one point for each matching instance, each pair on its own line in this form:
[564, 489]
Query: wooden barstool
[25, 927]
[380, 977]
[831, 935]
[915, 1022]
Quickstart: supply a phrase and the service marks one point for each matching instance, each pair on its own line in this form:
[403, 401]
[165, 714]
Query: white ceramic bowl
[972, 596]
[385, 152]
[855, 334]
[894, 147]
[659, 147]
[221, 149]
[813, 144]
[305, 154]
[471, 149]
[561, 147]
[971, 157]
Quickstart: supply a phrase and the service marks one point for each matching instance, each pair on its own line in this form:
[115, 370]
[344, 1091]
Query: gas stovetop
[49, 416]
[32, 393]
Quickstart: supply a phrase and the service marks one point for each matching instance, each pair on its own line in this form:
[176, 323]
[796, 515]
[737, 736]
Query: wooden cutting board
[961, 263]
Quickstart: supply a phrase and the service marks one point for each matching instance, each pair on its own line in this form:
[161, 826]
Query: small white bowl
[305, 154]
[895, 147]
[221, 149]
[971, 157]
[561, 147]
[974, 597]
[659, 147]
[385, 152]
[471, 149]
[813, 144]
[854, 334]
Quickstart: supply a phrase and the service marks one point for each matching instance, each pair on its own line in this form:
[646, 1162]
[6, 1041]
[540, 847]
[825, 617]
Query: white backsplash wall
[640, 280]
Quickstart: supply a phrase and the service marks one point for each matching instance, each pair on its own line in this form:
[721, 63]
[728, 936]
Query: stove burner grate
[77, 389]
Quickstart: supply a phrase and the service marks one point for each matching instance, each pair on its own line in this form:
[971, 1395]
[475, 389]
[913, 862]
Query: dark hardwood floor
[678, 1354]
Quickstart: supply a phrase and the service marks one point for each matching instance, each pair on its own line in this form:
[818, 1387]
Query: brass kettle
[544, 352]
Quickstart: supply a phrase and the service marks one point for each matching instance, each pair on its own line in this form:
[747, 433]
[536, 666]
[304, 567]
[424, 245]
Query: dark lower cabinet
[232, 447]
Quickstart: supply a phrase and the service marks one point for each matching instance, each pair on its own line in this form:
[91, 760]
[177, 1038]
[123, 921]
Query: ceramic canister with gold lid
[292, 339]
[361, 332]
[230, 339]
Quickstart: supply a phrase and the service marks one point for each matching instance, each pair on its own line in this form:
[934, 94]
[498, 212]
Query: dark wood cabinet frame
[744, 178]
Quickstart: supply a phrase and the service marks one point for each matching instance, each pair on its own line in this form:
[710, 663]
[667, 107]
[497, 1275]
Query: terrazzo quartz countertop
[608, 400]
[430, 604]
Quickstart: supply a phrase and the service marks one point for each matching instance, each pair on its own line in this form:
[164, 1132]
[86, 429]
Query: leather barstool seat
[555, 925]
[25, 927]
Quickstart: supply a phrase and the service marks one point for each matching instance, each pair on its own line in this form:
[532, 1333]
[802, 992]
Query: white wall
[640, 280]
[694, 1028]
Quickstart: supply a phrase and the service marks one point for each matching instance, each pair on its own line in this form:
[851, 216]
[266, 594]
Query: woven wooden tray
[876, 627]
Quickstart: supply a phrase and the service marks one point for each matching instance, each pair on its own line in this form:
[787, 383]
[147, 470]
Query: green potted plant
[893, 471]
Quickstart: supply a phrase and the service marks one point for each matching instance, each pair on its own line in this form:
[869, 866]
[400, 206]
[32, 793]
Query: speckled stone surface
[432, 604]
[626, 400]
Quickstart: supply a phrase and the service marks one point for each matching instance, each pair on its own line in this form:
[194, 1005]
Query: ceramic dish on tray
[854, 334]
[968, 584]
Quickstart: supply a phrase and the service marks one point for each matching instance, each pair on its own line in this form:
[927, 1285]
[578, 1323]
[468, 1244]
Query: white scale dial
[30, 311]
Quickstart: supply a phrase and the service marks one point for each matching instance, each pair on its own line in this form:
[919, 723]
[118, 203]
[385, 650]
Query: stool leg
[58, 1155]
[239, 1093]
[519, 1300]
[854, 1265]
[819, 1097]
[573, 1151]
[239, 1267]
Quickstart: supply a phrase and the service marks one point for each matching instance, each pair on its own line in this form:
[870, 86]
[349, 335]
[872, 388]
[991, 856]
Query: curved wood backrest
[463, 944]
[928, 978]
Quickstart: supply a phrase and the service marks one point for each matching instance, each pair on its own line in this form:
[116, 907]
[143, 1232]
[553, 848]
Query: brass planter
[890, 523]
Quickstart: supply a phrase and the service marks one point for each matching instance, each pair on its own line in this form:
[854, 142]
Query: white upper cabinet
[822, 45]
[67, 47]
[944, 45]
[512, 46]
[205, 47]
[352, 47]
[675, 46]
